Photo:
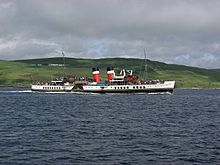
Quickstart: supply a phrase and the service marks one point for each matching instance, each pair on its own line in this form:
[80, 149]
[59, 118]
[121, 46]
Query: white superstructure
[54, 86]
[166, 86]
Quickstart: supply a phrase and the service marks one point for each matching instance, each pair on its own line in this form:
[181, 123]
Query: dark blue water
[46, 128]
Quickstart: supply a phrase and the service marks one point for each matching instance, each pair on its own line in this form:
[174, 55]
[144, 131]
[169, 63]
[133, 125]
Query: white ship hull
[167, 86]
[52, 88]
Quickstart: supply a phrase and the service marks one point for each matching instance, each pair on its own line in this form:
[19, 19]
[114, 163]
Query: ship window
[143, 86]
[124, 87]
[115, 87]
[127, 87]
[137, 87]
[118, 87]
[133, 87]
[121, 87]
[140, 87]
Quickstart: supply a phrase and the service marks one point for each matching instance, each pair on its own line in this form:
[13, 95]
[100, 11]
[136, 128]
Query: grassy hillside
[14, 73]
[26, 71]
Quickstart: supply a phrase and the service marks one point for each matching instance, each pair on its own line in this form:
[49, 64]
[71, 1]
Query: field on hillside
[25, 72]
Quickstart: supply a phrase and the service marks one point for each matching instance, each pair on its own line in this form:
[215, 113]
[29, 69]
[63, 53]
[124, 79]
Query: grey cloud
[183, 32]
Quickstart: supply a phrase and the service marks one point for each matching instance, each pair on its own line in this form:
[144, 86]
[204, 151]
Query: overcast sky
[173, 31]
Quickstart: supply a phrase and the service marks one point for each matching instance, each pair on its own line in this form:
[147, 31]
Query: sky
[185, 32]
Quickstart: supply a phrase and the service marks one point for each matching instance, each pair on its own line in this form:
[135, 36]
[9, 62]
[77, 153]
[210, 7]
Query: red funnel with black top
[110, 72]
[96, 74]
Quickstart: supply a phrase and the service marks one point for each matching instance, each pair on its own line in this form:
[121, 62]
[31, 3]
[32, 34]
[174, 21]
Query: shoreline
[15, 86]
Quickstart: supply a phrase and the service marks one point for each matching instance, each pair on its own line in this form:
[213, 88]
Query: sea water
[77, 128]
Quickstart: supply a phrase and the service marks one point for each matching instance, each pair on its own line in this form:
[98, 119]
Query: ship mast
[64, 63]
[145, 65]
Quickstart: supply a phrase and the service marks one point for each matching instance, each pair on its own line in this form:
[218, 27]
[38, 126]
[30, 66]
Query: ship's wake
[16, 91]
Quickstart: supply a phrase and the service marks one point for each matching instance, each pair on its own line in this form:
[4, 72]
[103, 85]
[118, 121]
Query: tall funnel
[110, 72]
[96, 74]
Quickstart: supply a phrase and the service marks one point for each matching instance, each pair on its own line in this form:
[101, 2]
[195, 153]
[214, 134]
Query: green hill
[23, 72]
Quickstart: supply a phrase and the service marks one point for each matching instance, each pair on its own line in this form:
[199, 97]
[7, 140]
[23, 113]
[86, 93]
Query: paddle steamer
[123, 83]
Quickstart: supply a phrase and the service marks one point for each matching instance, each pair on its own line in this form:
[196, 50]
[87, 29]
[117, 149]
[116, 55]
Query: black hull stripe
[131, 91]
